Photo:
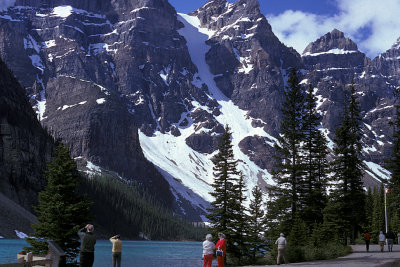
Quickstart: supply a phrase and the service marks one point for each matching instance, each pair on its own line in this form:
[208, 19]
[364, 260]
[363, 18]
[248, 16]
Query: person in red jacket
[367, 238]
[221, 246]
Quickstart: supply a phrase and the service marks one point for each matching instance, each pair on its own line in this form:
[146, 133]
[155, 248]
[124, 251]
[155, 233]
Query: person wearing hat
[116, 250]
[88, 240]
[281, 242]
[221, 246]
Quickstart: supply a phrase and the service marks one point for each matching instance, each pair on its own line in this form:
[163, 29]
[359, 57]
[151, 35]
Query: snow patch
[65, 11]
[31, 43]
[41, 105]
[164, 74]
[92, 169]
[62, 11]
[49, 43]
[70, 106]
[101, 101]
[37, 62]
[21, 235]
[335, 51]
[381, 172]
[102, 47]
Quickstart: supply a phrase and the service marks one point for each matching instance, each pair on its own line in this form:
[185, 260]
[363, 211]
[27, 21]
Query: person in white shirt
[382, 238]
[208, 251]
[281, 242]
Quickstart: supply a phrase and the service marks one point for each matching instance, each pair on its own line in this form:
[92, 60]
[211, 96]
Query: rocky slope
[24, 150]
[97, 71]
[24, 146]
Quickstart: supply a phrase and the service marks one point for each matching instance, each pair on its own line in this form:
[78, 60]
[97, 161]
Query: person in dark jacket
[88, 240]
[390, 238]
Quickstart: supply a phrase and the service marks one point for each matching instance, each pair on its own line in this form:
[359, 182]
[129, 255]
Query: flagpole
[386, 224]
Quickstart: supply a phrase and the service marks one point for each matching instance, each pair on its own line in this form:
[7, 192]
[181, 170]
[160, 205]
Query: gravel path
[359, 258]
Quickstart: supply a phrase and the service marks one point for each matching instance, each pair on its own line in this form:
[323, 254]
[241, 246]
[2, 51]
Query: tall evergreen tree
[238, 223]
[348, 168]
[378, 213]
[61, 210]
[369, 207]
[313, 197]
[226, 176]
[256, 224]
[289, 170]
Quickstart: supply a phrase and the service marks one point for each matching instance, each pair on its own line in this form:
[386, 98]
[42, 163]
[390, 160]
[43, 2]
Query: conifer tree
[226, 178]
[378, 213]
[313, 197]
[238, 223]
[61, 210]
[369, 207]
[289, 169]
[256, 224]
[348, 169]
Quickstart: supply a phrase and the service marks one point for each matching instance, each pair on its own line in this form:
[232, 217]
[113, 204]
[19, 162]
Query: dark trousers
[86, 259]
[367, 244]
[116, 260]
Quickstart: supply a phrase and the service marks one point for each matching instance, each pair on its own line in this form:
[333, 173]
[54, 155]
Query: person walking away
[221, 246]
[382, 238]
[390, 238]
[281, 242]
[116, 250]
[208, 251]
[367, 238]
[88, 240]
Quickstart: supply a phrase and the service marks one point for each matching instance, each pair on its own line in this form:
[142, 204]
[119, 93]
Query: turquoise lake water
[134, 253]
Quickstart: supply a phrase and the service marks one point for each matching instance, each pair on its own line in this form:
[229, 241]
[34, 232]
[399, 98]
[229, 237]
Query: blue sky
[267, 6]
[373, 24]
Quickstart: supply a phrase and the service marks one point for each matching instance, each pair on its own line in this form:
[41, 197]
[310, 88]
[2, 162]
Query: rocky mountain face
[25, 149]
[333, 63]
[128, 82]
[66, 57]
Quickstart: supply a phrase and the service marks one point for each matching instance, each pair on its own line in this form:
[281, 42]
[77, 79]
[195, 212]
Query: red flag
[386, 190]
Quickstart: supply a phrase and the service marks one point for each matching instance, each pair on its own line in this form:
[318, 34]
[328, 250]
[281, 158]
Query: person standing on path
[221, 246]
[88, 240]
[390, 238]
[382, 238]
[281, 242]
[367, 238]
[208, 251]
[116, 250]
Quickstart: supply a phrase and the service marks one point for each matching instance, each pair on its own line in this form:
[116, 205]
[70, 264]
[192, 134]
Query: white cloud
[373, 25]
[4, 4]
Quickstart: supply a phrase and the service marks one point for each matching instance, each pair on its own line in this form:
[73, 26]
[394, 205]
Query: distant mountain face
[127, 82]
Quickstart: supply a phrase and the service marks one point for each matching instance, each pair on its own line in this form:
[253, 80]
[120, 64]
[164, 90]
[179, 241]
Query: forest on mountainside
[128, 209]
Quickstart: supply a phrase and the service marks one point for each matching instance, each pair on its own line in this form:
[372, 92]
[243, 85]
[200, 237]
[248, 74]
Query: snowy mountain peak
[332, 42]
[396, 45]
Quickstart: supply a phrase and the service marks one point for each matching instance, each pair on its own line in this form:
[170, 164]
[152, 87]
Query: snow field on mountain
[171, 153]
